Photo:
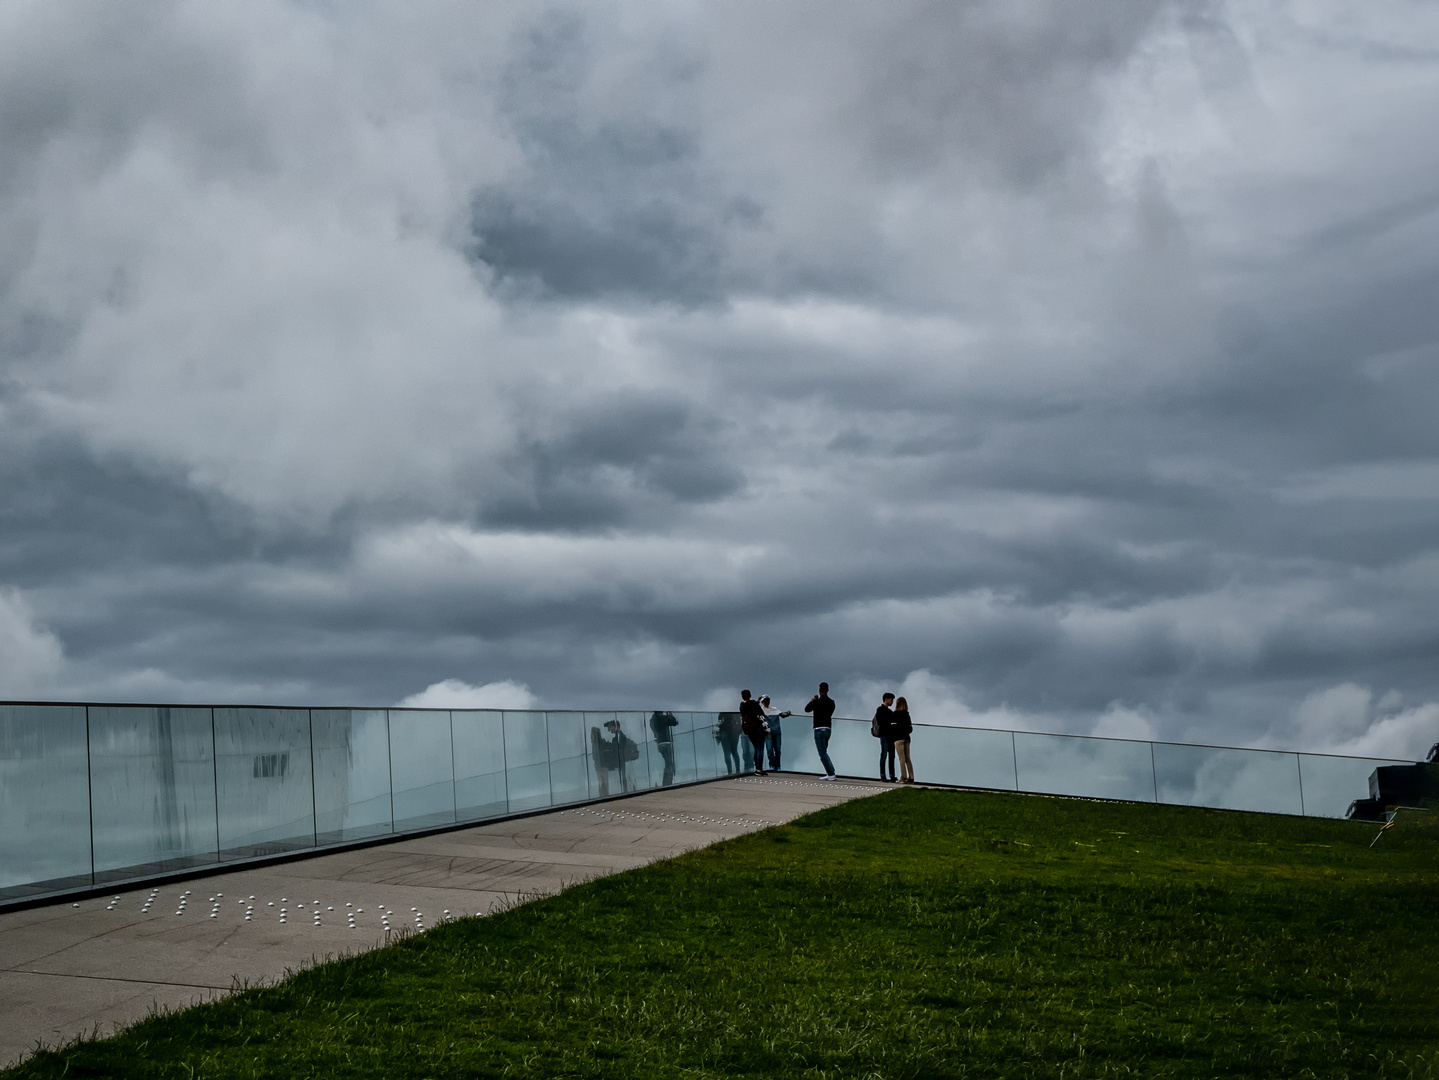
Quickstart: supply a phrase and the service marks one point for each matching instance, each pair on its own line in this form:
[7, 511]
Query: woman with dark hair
[900, 729]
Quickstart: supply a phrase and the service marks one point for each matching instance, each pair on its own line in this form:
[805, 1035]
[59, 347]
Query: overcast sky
[1067, 366]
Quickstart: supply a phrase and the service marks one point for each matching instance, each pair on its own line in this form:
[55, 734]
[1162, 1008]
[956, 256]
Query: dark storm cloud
[614, 460]
[1066, 365]
[608, 203]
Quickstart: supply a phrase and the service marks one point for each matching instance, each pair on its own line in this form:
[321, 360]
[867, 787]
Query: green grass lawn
[913, 934]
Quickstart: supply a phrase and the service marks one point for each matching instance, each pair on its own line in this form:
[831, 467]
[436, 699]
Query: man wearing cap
[772, 717]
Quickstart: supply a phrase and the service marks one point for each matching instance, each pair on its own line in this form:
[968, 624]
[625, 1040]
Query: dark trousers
[729, 743]
[773, 743]
[757, 741]
[667, 751]
[821, 745]
[886, 753]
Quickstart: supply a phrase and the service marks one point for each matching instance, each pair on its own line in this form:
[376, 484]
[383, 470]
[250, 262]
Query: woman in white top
[772, 740]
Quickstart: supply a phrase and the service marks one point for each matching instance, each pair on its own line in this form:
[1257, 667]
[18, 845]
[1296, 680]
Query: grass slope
[914, 934]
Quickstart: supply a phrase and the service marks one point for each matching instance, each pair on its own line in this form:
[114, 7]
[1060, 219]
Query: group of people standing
[759, 721]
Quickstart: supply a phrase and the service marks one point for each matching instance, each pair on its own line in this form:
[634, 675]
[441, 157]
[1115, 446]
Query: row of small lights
[249, 906]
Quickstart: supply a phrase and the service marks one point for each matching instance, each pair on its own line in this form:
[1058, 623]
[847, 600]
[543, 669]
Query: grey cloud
[632, 354]
[608, 203]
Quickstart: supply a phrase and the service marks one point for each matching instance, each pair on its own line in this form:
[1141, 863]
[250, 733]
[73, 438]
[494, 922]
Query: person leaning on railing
[772, 717]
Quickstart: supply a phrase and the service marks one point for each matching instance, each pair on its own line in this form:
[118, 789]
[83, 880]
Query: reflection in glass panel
[527, 765]
[1332, 783]
[635, 759]
[1263, 780]
[152, 786]
[569, 763]
[663, 764]
[708, 764]
[44, 799]
[352, 774]
[262, 770]
[422, 768]
[608, 751]
[479, 740]
[732, 745]
[684, 747]
[1076, 765]
[965, 757]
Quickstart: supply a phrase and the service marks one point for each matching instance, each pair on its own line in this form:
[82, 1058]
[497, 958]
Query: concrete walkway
[68, 969]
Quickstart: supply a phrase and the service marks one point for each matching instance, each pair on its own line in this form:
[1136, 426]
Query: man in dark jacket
[822, 705]
[882, 728]
[751, 717]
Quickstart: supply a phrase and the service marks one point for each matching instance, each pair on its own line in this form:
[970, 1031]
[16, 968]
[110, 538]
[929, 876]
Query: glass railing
[1181, 774]
[103, 794]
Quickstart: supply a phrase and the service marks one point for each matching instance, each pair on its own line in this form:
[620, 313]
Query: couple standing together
[760, 723]
[892, 727]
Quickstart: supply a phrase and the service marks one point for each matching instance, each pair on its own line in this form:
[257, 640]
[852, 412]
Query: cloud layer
[1069, 367]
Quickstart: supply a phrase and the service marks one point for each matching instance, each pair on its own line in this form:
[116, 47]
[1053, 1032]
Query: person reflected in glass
[772, 717]
[605, 753]
[660, 724]
[751, 716]
[727, 733]
[626, 750]
[880, 727]
[900, 728]
[823, 706]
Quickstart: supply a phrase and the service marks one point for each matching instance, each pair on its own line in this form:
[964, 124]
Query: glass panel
[661, 727]
[527, 767]
[602, 731]
[708, 763]
[263, 771]
[44, 799]
[799, 752]
[569, 761]
[1332, 783]
[1263, 780]
[1077, 765]
[636, 749]
[352, 774]
[479, 740]
[152, 786]
[781, 729]
[965, 757]
[422, 768]
[684, 747]
[854, 751]
[732, 745]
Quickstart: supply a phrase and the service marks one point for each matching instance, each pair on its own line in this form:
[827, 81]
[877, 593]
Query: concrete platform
[68, 969]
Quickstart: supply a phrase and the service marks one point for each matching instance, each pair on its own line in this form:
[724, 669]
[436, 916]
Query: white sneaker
[829, 776]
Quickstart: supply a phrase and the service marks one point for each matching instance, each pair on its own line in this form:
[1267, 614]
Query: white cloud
[933, 699]
[456, 694]
[1121, 722]
[1347, 719]
[30, 655]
